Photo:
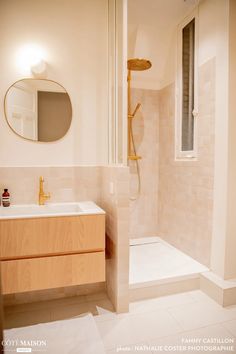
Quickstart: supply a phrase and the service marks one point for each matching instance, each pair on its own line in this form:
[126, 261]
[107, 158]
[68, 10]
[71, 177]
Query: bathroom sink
[51, 209]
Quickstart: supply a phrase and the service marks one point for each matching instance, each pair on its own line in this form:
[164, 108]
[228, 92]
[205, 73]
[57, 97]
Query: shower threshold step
[158, 269]
[163, 287]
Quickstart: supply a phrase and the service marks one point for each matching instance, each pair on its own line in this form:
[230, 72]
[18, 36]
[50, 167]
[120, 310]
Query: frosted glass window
[188, 48]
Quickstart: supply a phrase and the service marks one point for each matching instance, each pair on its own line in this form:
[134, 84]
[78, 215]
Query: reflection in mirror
[38, 110]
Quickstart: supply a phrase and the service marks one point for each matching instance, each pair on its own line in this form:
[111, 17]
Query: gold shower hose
[132, 154]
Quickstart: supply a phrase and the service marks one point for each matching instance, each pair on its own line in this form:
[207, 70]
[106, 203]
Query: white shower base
[154, 261]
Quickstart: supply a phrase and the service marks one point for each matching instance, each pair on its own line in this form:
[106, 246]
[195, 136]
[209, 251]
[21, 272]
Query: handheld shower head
[138, 64]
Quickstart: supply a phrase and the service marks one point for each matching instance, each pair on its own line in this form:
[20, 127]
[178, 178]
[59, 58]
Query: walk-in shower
[135, 64]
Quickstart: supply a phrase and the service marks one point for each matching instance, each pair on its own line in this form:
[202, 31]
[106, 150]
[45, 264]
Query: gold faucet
[42, 195]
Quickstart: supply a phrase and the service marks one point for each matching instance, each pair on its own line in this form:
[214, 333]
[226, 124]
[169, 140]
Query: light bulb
[30, 56]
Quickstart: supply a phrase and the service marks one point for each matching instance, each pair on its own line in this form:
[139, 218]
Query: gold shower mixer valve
[134, 157]
[135, 111]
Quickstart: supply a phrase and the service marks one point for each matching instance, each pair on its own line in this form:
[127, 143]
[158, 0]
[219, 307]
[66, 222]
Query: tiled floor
[154, 259]
[169, 323]
[162, 324]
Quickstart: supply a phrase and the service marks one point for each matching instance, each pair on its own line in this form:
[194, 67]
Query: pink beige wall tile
[186, 187]
[115, 200]
[65, 184]
[144, 210]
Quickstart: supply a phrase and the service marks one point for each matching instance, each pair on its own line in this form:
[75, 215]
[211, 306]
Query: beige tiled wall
[64, 183]
[186, 187]
[144, 210]
[116, 204]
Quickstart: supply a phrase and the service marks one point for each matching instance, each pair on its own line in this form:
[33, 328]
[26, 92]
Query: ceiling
[151, 34]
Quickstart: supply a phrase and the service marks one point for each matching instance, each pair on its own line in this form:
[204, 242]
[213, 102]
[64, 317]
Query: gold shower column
[131, 154]
[135, 64]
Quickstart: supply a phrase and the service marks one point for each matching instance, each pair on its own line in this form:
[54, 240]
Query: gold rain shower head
[138, 64]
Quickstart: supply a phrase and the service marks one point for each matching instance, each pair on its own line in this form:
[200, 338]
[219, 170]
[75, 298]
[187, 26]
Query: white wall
[217, 33]
[213, 42]
[73, 36]
[152, 35]
[230, 259]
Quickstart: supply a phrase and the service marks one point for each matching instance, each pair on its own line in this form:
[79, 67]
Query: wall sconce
[39, 69]
[30, 60]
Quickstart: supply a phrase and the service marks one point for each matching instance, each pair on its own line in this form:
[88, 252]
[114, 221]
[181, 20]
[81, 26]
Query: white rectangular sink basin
[50, 209]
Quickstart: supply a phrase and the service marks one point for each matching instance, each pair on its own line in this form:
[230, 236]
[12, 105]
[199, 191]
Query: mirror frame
[27, 139]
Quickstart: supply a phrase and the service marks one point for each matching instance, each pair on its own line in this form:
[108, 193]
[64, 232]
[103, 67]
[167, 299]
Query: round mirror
[38, 109]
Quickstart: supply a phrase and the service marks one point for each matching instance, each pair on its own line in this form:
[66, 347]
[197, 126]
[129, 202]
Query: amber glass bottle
[5, 198]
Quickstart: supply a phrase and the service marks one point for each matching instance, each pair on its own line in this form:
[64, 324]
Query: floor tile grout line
[151, 339]
[209, 325]
[150, 310]
[175, 319]
[203, 301]
[188, 331]
[130, 314]
[228, 330]
[159, 309]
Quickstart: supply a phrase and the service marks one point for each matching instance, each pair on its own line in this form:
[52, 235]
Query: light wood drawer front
[52, 272]
[53, 235]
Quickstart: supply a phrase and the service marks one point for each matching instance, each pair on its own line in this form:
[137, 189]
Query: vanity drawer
[31, 237]
[52, 272]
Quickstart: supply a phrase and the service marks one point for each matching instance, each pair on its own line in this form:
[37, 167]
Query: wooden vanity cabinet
[51, 252]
